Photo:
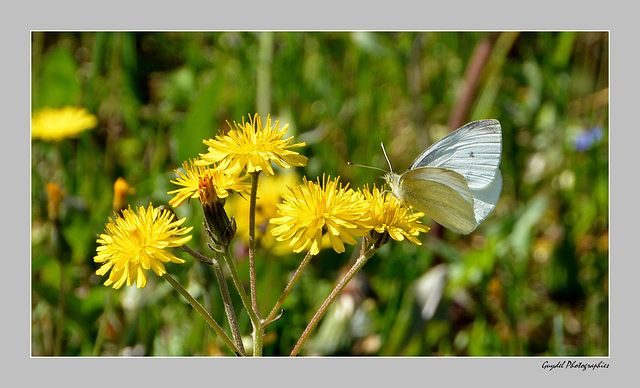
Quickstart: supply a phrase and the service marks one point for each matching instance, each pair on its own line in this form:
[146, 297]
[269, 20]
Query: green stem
[224, 291]
[228, 257]
[196, 305]
[265, 58]
[61, 249]
[256, 322]
[258, 329]
[258, 337]
[272, 315]
[252, 239]
[197, 255]
[104, 322]
[360, 262]
[57, 345]
[228, 305]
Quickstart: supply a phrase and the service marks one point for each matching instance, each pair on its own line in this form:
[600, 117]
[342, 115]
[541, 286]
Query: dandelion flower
[136, 242]
[58, 124]
[312, 209]
[252, 147]
[388, 214]
[190, 180]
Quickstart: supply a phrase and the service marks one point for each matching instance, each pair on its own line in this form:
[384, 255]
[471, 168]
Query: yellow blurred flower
[136, 242]
[270, 192]
[312, 209]
[120, 190]
[252, 147]
[387, 214]
[190, 180]
[57, 124]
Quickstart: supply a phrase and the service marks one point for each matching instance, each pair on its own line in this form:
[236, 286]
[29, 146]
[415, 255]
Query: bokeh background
[531, 280]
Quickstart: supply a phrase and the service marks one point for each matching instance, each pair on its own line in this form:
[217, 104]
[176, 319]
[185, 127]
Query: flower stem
[252, 239]
[256, 322]
[224, 291]
[258, 337]
[360, 262]
[196, 255]
[57, 348]
[265, 58]
[272, 315]
[196, 305]
[61, 250]
[104, 322]
[228, 257]
[228, 305]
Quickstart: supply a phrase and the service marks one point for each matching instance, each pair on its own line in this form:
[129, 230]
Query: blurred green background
[531, 280]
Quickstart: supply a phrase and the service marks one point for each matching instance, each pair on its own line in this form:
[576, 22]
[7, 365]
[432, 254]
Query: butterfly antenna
[362, 165]
[386, 157]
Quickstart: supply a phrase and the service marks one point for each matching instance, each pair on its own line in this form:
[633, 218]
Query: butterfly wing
[440, 193]
[474, 151]
[484, 200]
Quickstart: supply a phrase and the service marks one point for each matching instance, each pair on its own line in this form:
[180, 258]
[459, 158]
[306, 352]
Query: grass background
[532, 280]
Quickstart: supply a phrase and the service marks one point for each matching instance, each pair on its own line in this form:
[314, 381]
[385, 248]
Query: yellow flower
[316, 208]
[252, 147]
[134, 243]
[190, 180]
[57, 124]
[388, 214]
[270, 192]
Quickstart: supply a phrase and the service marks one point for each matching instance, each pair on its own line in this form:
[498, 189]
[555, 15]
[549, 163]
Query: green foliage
[532, 280]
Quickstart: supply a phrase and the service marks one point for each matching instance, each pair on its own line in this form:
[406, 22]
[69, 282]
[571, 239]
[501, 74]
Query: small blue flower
[587, 139]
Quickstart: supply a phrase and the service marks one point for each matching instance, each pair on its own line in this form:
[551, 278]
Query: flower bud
[55, 195]
[220, 228]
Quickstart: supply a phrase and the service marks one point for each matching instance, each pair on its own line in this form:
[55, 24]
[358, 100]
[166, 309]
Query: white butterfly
[456, 181]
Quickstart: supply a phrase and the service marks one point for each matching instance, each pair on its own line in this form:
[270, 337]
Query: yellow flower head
[57, 124]
[388, 214]
[252, 147]
[134, 243]
[190, 180]
[316, 208]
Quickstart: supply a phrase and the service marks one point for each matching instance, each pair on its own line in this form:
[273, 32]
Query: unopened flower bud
[220, 228]
[55, 194]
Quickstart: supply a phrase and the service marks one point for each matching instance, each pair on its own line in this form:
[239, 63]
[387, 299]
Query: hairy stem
[273, 314]
[228, 305]
[252, 240]
[196, 305]
[360, 262]
[224, 292]
[228, 257]
[197, 255]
